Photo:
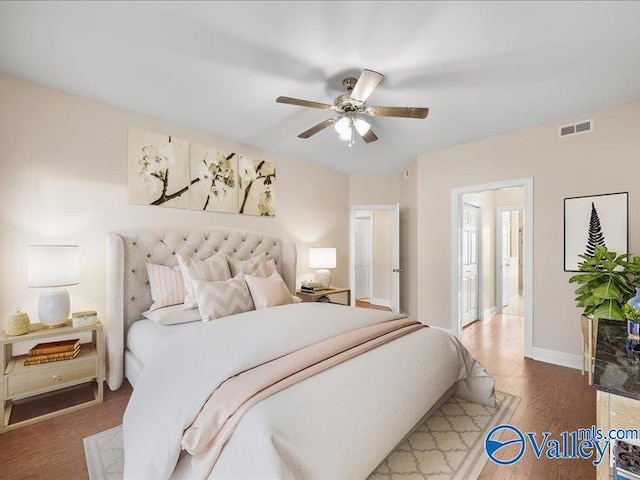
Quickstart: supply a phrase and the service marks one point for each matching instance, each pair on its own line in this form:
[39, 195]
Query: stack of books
[311, 287]
[53, 352]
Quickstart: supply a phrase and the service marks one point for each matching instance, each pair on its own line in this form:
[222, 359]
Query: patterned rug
[449, 445]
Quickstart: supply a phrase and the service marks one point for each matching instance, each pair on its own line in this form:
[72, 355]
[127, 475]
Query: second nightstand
[316, 296]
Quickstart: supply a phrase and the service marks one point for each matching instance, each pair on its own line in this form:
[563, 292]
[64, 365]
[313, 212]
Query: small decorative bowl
[17, 324]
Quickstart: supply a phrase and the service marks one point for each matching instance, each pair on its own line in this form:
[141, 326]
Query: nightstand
[317, 296]
[22, 383]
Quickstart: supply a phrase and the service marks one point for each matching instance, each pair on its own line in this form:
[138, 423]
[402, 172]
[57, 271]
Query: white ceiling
[482, 67]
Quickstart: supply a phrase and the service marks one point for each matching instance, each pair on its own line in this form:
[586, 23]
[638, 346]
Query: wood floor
[366, 304]
[553, 399]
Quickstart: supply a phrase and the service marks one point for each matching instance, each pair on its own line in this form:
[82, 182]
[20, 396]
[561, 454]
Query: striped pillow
[257, 266]
[213, 268]
[167, 286]
[222, 298]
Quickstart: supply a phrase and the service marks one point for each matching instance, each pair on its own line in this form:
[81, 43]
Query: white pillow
[258, 266]
[172, 315]
[167, 286]
[268, 292]
[222, 298]
[214, 268]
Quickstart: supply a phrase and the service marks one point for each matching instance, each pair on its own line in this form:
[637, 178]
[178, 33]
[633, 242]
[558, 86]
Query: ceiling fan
[351, 106]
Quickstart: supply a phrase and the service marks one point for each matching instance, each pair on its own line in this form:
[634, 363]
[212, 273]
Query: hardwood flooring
[366, 304]
[53, 449]
[553, 399]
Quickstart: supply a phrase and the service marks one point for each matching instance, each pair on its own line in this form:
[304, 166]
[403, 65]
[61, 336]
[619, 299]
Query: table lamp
[322, 259]
[53, 267]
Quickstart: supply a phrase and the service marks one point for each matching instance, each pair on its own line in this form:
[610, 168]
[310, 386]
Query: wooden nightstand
[22, 383]
[315, 297]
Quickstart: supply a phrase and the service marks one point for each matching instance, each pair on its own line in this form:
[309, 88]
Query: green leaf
[608, 291]
[609, 309]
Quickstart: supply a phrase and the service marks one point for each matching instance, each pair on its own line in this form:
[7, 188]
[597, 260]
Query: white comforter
[340, 423]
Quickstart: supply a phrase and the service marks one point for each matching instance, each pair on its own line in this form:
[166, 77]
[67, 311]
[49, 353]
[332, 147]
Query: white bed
[340, 423]
[128, 294]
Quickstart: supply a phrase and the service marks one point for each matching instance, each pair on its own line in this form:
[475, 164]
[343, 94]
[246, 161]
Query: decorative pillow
[172, 315]
[222, 298]
[167, 286]
[268, 292]
[258, 266]
[214, 268]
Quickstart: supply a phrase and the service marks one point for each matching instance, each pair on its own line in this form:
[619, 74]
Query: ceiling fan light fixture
[342, 126]
[362, 126]
[346, 135]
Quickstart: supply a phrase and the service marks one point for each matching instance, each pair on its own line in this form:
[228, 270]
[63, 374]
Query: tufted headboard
[128, 292]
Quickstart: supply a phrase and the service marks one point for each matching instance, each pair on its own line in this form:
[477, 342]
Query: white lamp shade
[53, 265]
[362, 126]
[322, 258]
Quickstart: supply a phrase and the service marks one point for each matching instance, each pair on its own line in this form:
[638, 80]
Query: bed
[339, 423]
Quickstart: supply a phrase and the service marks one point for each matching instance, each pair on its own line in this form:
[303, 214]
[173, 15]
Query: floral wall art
[214, 179]
[170, 172]
[257, 187]
[158, 169]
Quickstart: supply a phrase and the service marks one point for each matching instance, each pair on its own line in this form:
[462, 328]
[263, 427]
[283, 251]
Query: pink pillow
[268, 292]
[167, 286]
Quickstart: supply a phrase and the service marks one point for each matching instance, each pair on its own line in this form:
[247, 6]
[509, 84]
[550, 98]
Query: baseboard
[382, 303]
[488, 313]
[557, 358]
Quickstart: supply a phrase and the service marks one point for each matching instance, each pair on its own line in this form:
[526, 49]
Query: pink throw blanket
[222, 412]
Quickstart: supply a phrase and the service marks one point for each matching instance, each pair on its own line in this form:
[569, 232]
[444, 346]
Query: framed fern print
[595, 220]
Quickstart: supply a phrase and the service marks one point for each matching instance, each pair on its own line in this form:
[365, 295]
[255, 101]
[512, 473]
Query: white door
[505, 256]
[469, 256]
[363, 255]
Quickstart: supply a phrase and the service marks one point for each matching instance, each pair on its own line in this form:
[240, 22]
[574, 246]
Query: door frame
[456, 269]
[476, 203]
[354, 290]
[498, 266]
[395, 209]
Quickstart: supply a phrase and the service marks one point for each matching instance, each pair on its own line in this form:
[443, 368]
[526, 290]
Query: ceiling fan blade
[319, 127]
[369, 136]
[304, 103]
[365, 85]
[406, 112]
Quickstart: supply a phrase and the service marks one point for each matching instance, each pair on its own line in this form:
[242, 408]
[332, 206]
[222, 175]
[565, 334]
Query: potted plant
[606, 280]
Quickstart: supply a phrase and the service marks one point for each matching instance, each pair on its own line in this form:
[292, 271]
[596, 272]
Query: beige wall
[607, 160]
[374, 189]
[64, 180]
[382, 255]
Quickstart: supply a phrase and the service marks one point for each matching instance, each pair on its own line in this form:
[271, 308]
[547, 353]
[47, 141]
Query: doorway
[493, 291]
[510, 259]
[363, 256]
[375, 256]
[470, 255]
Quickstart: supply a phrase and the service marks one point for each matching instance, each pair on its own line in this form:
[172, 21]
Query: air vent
[576, 129]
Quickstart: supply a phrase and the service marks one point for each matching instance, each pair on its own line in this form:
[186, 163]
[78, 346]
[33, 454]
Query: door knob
[397, 270]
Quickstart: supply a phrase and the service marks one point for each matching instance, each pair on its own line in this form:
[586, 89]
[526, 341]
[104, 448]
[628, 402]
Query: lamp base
[324, 277]
[54, 307]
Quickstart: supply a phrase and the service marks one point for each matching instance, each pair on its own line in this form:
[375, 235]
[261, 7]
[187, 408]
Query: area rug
[449, 445]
